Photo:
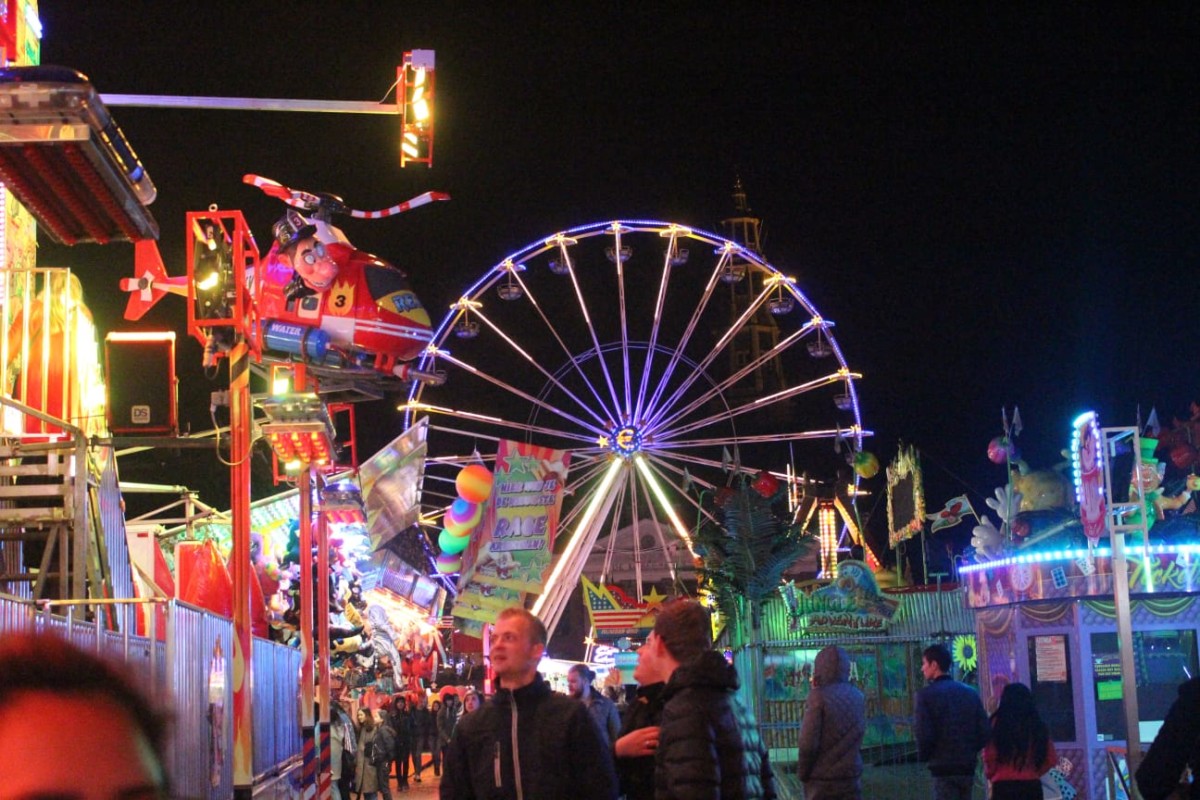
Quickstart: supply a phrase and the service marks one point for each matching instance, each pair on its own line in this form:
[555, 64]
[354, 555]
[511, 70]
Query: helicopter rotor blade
[270, 188]
[400, 208]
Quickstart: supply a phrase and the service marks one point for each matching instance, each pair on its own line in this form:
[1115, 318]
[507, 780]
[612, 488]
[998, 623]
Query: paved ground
[428, 787]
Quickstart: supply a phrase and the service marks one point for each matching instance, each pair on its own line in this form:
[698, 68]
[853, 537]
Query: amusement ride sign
[852, 602]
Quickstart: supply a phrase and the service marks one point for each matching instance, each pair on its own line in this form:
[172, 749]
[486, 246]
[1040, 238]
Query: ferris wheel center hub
[625, 441]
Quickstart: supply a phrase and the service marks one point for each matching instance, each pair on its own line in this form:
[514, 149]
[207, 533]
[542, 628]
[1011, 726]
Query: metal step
[33, 516]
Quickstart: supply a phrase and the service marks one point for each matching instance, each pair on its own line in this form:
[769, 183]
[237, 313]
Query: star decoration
[521, 464]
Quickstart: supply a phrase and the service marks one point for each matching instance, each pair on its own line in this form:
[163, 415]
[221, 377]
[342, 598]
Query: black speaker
[143, 396]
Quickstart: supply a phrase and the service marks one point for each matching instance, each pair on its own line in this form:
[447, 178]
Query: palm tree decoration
[744, 559]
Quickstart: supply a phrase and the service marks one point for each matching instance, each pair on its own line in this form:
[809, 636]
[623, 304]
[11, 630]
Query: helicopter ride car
[362, 318]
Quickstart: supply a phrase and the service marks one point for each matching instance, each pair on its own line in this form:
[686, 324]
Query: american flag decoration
[614, 613]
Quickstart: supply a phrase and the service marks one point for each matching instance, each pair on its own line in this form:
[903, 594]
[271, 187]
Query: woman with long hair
[366, 773]
[1020, 751]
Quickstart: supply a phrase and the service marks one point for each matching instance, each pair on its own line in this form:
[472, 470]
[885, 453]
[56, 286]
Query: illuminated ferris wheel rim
[517, 259]
[650, 383]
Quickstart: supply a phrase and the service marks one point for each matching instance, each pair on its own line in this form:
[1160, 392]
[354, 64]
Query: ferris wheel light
[610, 475]
[663, 501]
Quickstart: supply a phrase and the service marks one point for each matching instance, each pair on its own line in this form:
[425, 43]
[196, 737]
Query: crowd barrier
[189, 671]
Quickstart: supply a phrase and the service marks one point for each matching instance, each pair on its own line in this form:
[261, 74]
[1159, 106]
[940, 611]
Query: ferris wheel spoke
[565, 575]
[702, 367]
[672, 567]
[534, 363]
[756, 405]
[587, 320]
[768, 438]
[618, 258]
[571, 358]
[497, 422]
[537, 401]
[726, 252]
[657, 482]
[719, 388]
[664, 464]
[656, 322]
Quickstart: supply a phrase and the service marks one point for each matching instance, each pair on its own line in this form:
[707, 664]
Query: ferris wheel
[666, 360]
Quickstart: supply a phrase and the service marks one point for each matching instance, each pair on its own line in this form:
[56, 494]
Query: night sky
[997, 206]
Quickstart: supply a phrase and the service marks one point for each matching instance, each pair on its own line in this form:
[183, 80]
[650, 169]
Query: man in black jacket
[402, 724]
[701, 714]
[528, 742]
[951, 727]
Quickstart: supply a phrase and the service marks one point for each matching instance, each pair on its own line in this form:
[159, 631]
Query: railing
[191, 674]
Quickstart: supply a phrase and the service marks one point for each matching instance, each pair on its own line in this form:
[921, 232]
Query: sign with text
[515, 542]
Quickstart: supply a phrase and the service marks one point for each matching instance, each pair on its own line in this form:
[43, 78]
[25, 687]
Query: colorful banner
[513, 548]
[1080, 576]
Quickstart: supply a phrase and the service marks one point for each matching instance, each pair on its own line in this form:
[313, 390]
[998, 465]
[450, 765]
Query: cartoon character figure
[1149, 489]
[298, 248]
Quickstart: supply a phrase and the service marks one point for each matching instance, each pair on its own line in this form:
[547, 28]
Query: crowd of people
[685, 734]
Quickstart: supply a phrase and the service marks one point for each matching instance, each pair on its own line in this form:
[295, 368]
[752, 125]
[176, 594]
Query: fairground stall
[1051, 614]
[884, 632]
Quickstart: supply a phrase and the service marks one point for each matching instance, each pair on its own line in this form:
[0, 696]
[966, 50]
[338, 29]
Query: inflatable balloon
[866, 465]
[765, 484]
[460, 511]
[452, 544]
[447, 564]
[1001, 450]
[462, 517]
[1183, 455]
[474, 483]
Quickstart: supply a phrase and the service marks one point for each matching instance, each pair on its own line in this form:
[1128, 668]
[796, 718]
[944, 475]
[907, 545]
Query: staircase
[44, 531]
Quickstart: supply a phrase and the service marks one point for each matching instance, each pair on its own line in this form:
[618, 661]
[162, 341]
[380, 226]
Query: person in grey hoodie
[835, 718]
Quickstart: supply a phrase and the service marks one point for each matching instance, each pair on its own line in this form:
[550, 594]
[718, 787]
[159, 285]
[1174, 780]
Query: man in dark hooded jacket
[830, 762]
[701, 715]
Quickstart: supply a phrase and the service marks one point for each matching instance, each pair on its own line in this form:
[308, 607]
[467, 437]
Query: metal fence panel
[276, 709]
[201, 753]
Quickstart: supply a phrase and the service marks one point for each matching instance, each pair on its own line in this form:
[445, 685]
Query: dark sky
[997, 205]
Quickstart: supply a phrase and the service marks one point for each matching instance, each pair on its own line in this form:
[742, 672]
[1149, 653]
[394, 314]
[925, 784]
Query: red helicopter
[366, 319]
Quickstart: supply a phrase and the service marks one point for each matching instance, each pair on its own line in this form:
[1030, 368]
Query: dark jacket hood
[832, 665]
[709, 670]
